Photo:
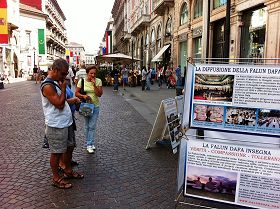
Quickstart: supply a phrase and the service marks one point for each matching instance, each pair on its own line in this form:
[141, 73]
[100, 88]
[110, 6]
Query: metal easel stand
[178, 201]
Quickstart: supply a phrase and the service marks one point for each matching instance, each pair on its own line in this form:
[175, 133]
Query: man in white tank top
[58, 119]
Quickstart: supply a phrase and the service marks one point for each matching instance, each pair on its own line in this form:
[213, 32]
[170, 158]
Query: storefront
[253, 33]
[218, 39]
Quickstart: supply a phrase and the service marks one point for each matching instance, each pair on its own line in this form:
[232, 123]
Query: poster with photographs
[173, 122]
[217, 171]
[238, 98]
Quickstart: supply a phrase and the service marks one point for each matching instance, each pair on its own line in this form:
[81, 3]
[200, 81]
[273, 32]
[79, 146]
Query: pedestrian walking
[81, 73]
[124, 73]
[58, 119]
[160, 76]
[144, 77]
[148, 79]
[115, 75]
[93, 90]
[70, 78]
[35, 73]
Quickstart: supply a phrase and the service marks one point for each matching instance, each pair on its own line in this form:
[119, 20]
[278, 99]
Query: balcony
[49, 37]
[140, 23]
[161, 5]
[126, 36]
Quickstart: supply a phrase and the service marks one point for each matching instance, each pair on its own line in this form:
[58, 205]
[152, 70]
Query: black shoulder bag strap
[82, 91]
[51, 82]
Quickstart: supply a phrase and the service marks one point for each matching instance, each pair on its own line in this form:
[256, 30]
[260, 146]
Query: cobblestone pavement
[121, 174]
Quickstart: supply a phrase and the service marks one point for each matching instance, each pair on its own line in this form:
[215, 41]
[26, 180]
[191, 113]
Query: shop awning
[158, 58]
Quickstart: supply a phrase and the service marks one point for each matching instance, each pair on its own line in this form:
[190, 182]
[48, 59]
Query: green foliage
[102, 73]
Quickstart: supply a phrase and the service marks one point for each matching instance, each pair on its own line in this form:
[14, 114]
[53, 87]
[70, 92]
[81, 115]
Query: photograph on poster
[241, 116]
[209, 113]
[213, 87]
[211, 183]
[269, 118]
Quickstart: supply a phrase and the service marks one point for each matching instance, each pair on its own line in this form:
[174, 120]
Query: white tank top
[54, 117]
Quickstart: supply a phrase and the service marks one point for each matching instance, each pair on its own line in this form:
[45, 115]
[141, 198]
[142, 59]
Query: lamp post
[34, 49]
[132, 52]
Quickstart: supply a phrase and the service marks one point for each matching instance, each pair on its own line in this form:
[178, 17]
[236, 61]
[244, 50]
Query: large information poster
[233, 174]
[239, 98]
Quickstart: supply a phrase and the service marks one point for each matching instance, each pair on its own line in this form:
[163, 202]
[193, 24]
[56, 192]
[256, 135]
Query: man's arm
[57, 100]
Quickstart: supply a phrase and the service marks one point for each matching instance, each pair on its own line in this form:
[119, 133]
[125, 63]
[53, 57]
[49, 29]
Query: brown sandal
[73, 175]
[61, 183]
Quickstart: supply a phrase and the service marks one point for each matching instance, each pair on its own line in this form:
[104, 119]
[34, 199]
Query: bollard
[1, 85]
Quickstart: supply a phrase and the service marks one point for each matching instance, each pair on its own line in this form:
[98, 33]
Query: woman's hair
[91, 67]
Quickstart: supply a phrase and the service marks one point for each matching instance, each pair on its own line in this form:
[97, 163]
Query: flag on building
[109, 42]
[4, 37]
[78, 60]
[67, 58]
[41, 41]
[104, 50]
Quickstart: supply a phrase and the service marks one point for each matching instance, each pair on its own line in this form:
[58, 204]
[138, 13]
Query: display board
[240, 175]
[236, 98]
[240, 154]
[167, 118]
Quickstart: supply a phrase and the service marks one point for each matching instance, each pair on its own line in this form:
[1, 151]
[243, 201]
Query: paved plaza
[121, 174]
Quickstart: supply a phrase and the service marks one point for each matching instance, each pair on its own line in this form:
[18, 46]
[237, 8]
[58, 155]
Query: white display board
[246, 153]
[234, 174]
[236, 98]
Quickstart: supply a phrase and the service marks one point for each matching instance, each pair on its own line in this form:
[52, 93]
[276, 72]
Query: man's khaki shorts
[60, 138]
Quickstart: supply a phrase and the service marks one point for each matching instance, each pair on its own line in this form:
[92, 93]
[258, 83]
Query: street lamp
[132, 51]
[34, 50]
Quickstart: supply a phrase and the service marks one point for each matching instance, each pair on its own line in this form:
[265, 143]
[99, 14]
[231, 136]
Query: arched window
[184, 14]
[198, 8]
[153, 39]
[168, 27]
[159, 32]
[218, 3]
[158, 38]
[147, 39]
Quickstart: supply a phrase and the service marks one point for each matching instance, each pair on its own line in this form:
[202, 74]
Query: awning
[159, 54]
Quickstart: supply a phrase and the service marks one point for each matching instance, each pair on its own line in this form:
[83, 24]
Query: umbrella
[116, 58]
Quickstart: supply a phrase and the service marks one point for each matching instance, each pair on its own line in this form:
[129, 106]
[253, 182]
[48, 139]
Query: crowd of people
[59, 105]
[212, 186]
[145, 77]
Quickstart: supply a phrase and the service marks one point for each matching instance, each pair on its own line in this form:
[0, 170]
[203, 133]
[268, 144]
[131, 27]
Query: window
[218, 3]
[153, 36]
[168, 27]
[253, 34]
[198, 8]
[197, 47]
[158, 38]
[147, 39]
[184, 14]
[28, 38]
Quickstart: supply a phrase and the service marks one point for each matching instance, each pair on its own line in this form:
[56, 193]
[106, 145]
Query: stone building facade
[171, 31]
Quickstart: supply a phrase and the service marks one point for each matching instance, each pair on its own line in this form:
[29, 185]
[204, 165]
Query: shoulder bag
[85, 109]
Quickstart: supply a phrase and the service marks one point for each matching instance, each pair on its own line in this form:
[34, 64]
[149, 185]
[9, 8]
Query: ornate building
[171, 31]
[56, 36]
